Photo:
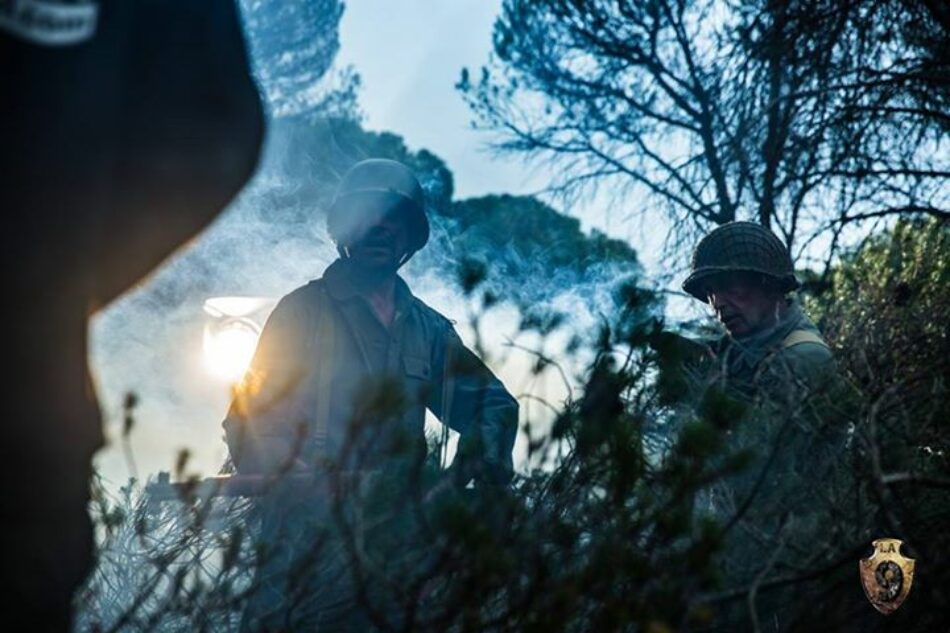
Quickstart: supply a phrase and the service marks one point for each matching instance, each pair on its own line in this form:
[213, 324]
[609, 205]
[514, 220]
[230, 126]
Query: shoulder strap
[796, 337]
[324, 342]
[448, 389]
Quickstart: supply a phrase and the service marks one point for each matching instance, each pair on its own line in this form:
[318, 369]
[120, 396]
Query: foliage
[805, 115]
[886, 312]
[886, 309]
[526, 227]
[166, 567]
[315, 152]
[607, 539]
[661, 503]
[521, 238]
[293, 46]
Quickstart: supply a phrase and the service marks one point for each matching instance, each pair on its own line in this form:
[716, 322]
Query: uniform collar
[754, 348]
[341, 288]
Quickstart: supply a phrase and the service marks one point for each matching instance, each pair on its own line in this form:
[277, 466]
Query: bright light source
[232, 327]
[235, 306]
[229, 346]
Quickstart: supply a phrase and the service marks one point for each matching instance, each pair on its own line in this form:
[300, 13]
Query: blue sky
[410, 54]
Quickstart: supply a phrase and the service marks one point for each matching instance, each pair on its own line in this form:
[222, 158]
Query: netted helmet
[740, 246]
[375, 184]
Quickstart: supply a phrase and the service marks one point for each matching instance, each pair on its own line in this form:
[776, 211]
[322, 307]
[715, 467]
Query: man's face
[743, 303]
[382, 240]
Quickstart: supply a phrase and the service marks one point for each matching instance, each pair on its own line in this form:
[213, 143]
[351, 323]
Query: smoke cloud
[272, 239]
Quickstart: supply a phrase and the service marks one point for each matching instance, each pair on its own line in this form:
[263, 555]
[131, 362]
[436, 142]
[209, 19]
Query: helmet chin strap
[345, 253]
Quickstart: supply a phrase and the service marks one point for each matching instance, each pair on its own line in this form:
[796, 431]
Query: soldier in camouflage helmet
[745, 274]
[773, 358]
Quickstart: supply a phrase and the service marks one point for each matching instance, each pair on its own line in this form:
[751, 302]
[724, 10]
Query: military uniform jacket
[330, 381]
[794, 434]
[786, 360]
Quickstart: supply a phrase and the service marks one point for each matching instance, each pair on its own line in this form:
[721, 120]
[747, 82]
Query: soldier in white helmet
[330, 354]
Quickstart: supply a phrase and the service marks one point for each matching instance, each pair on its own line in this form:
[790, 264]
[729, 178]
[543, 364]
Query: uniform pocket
[417, 367]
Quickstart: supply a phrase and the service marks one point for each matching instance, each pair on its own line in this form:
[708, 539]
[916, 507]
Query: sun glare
[228, 348]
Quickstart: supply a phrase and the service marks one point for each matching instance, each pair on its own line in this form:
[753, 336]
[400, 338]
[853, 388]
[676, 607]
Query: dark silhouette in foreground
[120, 142]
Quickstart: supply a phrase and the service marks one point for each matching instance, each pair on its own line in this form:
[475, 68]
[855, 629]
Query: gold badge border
[867, 566]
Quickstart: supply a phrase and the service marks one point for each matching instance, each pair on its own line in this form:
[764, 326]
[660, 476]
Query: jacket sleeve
[264, 424]
[471, 400]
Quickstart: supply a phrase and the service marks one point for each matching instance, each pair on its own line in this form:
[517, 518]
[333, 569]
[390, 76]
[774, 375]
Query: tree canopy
[804, 115]
[293, 47]
[655, 501]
